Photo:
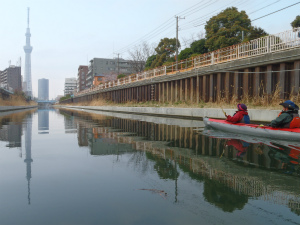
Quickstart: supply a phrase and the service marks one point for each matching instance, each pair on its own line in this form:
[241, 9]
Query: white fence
[269, 44]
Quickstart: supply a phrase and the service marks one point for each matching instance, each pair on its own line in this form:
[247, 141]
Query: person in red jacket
[240, 116]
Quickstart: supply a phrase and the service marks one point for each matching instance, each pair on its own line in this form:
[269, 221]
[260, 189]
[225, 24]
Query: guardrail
[8, 91]
[260, 46]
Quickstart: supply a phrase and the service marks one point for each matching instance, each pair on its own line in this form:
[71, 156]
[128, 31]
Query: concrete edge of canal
[12, 108]
[263, 115]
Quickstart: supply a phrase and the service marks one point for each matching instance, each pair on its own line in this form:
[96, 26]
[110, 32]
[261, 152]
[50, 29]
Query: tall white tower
[28, 50]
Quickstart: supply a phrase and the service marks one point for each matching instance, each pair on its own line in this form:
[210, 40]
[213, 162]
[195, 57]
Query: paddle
[224, 112]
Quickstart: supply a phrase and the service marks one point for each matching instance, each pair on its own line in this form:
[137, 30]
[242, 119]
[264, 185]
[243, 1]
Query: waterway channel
[63, 166]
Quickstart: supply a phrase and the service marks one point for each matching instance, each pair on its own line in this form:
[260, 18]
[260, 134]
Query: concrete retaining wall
[191, 113]
[11, 108]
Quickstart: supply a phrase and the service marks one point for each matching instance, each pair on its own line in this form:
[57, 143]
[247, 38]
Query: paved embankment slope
[263, 115]
[11, 108]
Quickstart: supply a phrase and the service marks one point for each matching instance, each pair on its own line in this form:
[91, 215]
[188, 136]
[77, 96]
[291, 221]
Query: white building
[70, 86]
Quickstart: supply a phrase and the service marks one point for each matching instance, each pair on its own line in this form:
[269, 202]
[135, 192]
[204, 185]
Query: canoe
[254, 129]
[271, 142]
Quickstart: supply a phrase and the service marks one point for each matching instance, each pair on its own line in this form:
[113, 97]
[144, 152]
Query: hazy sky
[68, 33]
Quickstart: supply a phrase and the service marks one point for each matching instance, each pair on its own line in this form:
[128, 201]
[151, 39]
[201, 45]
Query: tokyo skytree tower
[28, 50]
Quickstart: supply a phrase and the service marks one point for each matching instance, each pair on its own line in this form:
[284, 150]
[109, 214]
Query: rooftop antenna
[28, 17]
[9, 62]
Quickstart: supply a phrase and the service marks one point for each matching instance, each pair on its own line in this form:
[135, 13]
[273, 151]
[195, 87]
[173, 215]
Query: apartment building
[109, 68]
[81, 77]
[11, 78]
[70, 86]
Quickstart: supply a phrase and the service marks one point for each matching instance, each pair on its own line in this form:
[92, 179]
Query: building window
[99, 79]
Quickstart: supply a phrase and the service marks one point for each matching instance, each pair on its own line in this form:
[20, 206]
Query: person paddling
[240, 116]
[288, 118]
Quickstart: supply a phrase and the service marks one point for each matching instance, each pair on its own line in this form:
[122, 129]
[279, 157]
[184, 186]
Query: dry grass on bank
[264, 101]
[15, 100]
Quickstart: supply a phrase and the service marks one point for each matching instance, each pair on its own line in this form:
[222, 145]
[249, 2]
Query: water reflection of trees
[223, 197]
[227, 187]
[164, 167]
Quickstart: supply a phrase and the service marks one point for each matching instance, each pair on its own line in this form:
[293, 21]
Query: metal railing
[269, 44]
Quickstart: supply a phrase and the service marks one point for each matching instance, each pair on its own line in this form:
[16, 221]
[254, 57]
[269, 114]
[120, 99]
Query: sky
[69, 33]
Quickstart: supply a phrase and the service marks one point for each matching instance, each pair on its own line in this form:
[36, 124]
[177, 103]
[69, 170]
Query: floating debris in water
[162, 193]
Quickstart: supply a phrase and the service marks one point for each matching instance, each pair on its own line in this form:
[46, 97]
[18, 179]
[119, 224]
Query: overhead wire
[199, 19]
[191, 24]
[151, 34]
[264, 7]
[156, 30]
[195, 22]
[252, 13]
[275, 11]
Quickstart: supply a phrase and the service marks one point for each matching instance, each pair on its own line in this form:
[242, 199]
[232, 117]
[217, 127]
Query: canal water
[61, 166]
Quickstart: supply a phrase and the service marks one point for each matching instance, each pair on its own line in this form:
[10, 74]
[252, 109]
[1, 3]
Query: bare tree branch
[139, 56]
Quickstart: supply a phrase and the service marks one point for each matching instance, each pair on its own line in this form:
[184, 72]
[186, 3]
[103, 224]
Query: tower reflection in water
[43, 121]
[11, 127]
[28, 160]
[232, 171]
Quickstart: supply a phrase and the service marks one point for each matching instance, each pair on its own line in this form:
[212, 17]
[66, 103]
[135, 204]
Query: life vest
[246, 119]
[295, 123]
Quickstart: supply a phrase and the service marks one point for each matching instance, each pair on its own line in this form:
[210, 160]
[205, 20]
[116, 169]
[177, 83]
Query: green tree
[65, 98]
[225, 29]
[165, 49]
[198, 47]
[184, 54]
[159, 60]
[121, 76]
[255, 32]
[167, 45]
[296, 22]
[149, 61]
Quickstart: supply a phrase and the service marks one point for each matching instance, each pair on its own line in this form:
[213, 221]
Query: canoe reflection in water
[284, 155]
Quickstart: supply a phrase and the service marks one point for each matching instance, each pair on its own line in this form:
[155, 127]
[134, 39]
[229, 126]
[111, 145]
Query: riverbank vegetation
[16, 100]
[263, 101]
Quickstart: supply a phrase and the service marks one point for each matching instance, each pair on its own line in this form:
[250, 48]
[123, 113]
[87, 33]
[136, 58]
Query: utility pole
[242, 35]
[177, 17]
[118, 65]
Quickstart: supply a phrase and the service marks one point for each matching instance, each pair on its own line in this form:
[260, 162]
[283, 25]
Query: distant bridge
[260, 66]
[46, 102]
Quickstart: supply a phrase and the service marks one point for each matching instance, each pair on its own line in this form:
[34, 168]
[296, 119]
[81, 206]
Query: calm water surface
[76, 167]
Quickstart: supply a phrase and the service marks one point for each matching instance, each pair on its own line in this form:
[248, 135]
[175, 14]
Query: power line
[202, 18]
[201, 8]
[189, 8]
[256, 11]
[264, 7]
[149, 37]
[159, 28]
[167, 25]
[157, 31]
[275, 11]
